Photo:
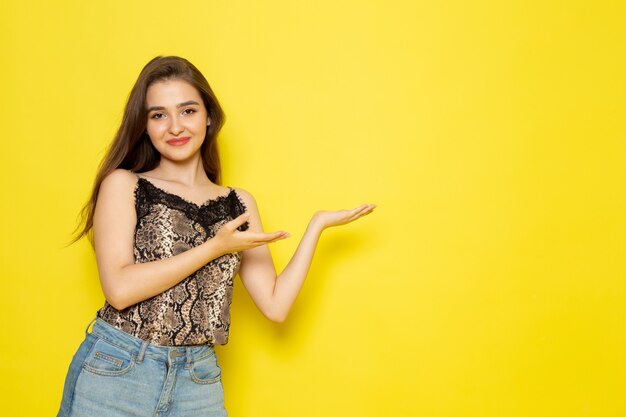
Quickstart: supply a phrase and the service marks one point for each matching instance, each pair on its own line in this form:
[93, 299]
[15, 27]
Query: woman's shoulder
[119, 180]
[244, 196]
[120, 173]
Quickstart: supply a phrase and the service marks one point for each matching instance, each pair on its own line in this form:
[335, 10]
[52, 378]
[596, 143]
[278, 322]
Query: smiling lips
[178, 141]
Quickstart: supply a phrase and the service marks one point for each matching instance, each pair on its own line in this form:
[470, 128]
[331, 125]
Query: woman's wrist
[316, 224]
[215, 247]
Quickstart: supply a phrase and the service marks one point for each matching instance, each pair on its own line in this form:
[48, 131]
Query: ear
[208, 121]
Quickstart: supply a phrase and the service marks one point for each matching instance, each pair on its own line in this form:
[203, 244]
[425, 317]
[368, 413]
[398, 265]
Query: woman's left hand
[324, 218]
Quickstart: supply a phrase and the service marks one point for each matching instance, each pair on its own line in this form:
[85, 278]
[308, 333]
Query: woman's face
[177, 119]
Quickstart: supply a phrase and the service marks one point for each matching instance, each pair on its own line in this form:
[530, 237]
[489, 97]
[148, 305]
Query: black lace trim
[224, 207]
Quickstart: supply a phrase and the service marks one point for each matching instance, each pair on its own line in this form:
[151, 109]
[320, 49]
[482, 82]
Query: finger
[367, 207]
[274, 238]
[364, 211]
[358, 211]
[367, 210]
[257, 244]
[267, 242]
[268, 237]
[239, 220]
[362, 208]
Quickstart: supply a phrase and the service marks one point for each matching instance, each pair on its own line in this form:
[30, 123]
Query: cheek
[154, 130]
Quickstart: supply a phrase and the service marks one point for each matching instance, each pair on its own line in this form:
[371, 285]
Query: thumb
[239, 220]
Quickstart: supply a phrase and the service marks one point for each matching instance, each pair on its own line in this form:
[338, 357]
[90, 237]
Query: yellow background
[489, 282]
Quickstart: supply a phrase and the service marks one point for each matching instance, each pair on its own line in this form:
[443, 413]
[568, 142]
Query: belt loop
[87, 328]
[189, 359]
[142, 352]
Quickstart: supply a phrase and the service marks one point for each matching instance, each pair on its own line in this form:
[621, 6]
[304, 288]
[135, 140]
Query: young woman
[169, 240]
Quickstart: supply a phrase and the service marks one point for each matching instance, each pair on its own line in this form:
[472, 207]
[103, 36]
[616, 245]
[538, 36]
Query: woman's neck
[189, 173]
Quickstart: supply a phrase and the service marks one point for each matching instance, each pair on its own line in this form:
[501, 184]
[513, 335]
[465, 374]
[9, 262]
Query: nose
[176, 127]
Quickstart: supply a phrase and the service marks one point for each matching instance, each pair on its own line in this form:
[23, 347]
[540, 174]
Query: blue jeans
[114, 374]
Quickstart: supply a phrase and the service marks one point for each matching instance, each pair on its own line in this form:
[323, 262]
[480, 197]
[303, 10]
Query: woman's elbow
[276, 316]
[116, 303]
[116, 299]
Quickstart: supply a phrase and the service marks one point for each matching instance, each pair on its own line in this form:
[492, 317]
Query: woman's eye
[190, 111]
[157, 116]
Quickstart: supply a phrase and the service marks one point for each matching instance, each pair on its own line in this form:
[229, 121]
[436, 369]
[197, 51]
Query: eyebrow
[183, 104]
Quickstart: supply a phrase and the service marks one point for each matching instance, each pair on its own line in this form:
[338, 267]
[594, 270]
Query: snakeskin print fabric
[196, 310]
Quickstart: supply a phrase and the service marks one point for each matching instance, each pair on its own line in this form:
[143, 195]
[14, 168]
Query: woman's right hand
[232, 240]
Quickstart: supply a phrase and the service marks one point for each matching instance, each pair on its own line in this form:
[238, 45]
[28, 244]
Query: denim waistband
[140, 348]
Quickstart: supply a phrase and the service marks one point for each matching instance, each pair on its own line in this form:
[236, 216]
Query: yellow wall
[489, 282]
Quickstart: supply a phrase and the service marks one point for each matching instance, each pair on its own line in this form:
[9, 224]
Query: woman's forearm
[290, 280]
[137, 282]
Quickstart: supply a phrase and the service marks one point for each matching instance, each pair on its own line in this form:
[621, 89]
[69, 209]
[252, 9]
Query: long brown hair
[131, 148]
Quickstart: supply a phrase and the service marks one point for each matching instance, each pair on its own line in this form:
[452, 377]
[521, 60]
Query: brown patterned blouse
[196, 310]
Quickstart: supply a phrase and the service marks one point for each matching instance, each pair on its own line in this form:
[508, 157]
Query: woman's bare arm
[274, 294]
[124, 282]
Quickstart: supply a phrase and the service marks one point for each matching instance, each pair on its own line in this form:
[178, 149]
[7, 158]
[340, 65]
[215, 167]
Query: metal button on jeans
[175, 354]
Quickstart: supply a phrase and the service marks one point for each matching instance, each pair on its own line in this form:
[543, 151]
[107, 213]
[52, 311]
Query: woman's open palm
[335, 218]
